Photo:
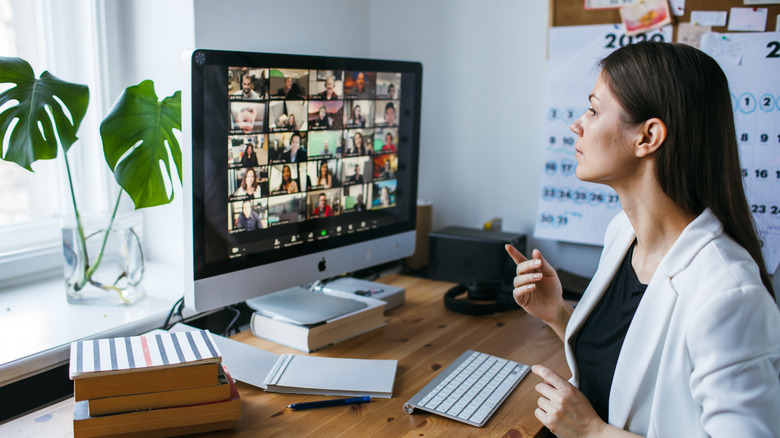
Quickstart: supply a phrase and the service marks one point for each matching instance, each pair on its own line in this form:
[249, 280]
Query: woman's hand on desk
[538, 290]
[566, 411]
[563, 408]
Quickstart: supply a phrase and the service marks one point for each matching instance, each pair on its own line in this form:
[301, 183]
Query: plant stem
[91, 269]
[79, 226]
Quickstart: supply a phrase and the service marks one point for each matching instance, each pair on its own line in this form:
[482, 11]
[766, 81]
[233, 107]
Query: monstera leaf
[33, 137]
[138, 141]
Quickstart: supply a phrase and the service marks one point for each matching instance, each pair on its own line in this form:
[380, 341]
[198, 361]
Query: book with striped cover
[159, 350]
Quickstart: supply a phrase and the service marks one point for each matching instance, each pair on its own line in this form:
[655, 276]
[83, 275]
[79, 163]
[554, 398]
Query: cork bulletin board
[573, 13]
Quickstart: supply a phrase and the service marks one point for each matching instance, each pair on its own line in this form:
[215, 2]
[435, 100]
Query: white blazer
[702, 354]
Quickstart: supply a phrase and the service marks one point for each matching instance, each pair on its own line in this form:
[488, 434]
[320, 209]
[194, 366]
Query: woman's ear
[652, 136]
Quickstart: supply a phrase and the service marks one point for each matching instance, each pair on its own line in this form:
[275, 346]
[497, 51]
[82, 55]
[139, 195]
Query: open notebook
[300, 374]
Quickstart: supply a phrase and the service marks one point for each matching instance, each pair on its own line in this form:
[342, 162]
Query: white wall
[308, 27]
[484, 69]
[150, 37]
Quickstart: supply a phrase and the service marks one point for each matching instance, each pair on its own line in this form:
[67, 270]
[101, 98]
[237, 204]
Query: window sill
[37, 323]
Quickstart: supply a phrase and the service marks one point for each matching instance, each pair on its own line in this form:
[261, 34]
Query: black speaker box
[470, 255]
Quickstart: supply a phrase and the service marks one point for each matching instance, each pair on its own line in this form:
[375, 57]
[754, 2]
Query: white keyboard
[470, 389]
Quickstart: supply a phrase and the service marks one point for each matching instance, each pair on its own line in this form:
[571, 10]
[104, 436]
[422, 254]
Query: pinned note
[691, 35]
[748, 19]
[709, 18]
[677, 7]
[723, 48]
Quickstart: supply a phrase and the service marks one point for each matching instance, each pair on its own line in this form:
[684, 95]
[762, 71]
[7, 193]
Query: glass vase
[104, 268]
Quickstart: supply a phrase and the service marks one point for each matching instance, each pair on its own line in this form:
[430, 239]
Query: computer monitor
[296, 168]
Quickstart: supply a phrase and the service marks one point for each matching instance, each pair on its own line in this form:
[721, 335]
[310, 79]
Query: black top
[598, 344]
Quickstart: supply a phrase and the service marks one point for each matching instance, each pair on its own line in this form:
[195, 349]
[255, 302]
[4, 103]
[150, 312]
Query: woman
[324, 179]
[384, 197]
[357, 145]
[357, 119]
[678, 333]
[288, 184]
[322, 121]
[249, 185]
[249, 158]
[291, 123]
[387, 171]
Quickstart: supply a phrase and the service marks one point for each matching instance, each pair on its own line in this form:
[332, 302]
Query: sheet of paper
[709, 18]
[645, 16]
[571, 210]
[748, 19]
[691, 35]
[678, 7]
[723, 48]
[761, 2]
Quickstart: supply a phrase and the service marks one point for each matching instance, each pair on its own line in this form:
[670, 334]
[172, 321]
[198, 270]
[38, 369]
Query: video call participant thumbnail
[247, 150]
[247, 215]
[388, 85]
[324, 204]
[385, 166]
[289, 84]
[250, 183]
[356, 170]
[297, 152]
[359, 114]
[246, 117]
[287, 116]
[326, 85]
[322, 144]
[354, 197]
[358, 142]
[383, 194]
[247, 83]
[284, 178]
[326, 115]
[323, 174]
[385, 140]
[387, 112]
[286, 209]
[360, 85]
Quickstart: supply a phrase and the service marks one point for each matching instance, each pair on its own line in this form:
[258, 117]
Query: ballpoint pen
[326, 403]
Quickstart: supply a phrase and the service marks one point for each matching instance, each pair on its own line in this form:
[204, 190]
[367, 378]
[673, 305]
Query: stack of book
[312, 337]
[159, 384]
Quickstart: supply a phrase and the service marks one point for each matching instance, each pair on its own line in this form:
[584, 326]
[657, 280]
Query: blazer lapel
[641, 352]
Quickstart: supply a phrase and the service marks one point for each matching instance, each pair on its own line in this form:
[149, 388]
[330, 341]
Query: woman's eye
[592, 111]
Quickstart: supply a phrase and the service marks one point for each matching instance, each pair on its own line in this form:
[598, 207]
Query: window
[49, 35]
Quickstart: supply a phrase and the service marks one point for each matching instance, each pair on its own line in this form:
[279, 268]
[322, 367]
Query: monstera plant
[43, 115]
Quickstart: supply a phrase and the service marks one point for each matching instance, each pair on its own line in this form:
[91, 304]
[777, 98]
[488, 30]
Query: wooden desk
[424, 337]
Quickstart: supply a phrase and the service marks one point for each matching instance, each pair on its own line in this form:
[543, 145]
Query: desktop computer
[296, 169]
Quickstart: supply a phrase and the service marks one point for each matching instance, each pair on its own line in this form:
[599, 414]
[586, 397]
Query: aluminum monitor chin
[296, 168]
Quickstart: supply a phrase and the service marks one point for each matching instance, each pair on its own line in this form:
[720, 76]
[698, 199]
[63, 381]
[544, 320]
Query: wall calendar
[575, 211]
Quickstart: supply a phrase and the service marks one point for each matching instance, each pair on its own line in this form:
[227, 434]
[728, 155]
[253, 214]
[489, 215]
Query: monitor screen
[294, 163]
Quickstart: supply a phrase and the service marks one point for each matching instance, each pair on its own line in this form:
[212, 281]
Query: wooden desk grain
[424, 337]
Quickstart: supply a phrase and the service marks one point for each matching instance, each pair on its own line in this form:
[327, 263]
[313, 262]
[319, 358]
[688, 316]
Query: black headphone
[500, 300]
